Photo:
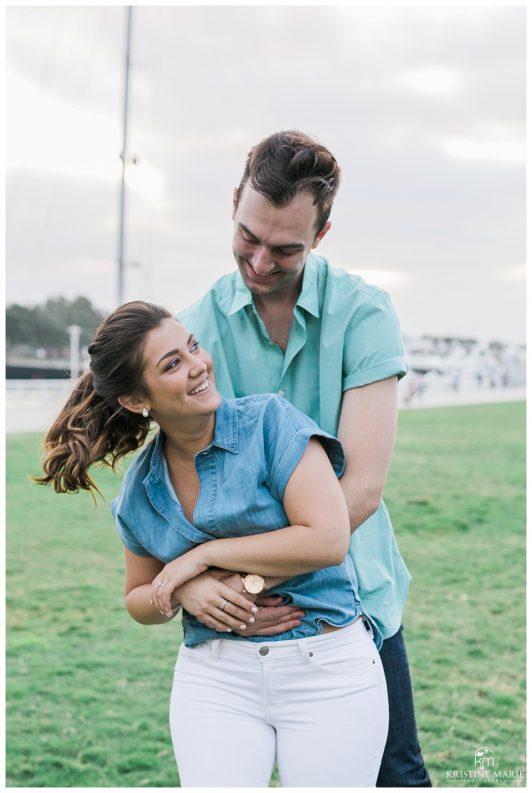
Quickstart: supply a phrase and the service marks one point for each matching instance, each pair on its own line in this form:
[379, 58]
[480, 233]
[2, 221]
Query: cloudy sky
[423, 108]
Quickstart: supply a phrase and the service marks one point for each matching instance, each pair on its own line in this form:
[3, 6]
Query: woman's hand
[174, 575]
[205, 594]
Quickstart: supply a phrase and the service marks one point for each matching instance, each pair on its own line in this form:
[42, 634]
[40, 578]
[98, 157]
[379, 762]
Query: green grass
[457, 494]
[88, 688]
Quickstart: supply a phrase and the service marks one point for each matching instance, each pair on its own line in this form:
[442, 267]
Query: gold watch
[253, 584]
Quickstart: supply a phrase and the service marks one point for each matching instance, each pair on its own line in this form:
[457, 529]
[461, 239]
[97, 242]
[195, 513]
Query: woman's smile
[201, 388]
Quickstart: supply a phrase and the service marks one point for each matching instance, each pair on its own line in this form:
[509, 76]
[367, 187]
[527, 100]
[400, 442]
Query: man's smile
[260, 275]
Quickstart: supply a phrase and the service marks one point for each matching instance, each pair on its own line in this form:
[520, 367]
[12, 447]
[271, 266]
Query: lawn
[88, 688]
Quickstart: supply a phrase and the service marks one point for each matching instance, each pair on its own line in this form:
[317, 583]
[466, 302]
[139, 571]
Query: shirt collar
[225, 434]
[226, 427]
[308, 298]
[242, 296]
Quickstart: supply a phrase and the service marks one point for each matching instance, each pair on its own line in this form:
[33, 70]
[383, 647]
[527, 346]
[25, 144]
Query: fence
[31, 405]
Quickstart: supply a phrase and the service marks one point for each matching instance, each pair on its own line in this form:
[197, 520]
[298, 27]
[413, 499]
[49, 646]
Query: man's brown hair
[289, 162]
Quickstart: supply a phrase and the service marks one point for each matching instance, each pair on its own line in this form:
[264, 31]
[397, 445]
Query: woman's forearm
[286, 552]
[317, 537]
[138, 605]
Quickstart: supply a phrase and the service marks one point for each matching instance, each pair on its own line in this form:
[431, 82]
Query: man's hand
[272, 618]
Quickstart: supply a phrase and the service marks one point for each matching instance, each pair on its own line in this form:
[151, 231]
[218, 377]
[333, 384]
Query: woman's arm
[140, 572]
[204, 601]
[317, 537]
[318, 534]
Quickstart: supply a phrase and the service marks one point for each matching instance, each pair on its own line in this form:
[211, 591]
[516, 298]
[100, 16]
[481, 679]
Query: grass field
[88, 688]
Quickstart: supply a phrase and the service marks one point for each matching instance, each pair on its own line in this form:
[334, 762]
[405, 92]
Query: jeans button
[264, 650]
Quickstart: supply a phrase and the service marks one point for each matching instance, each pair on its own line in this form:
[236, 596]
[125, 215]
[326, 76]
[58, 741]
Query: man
[287, 322]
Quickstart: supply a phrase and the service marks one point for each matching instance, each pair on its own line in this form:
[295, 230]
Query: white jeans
[317, 706]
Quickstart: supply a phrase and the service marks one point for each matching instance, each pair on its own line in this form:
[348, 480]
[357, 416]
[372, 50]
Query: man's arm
[368, 422]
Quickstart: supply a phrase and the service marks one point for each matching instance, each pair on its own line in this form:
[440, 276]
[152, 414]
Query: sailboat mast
[123, 157]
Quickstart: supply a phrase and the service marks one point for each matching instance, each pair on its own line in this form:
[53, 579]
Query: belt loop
[214, 646]
[368, 625]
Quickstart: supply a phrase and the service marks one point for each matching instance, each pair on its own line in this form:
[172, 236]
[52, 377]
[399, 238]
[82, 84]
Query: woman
[246, 485]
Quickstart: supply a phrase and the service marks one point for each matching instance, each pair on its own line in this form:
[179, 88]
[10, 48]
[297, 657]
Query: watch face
[254, 583]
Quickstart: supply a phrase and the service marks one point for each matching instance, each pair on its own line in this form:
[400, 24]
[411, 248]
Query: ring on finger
[160, 584]
[223, 604]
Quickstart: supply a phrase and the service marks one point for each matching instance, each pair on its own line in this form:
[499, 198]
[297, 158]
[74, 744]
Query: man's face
[271, 244]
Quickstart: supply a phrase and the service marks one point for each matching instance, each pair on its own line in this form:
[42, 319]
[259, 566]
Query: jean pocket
[192, 655]
[345, 660]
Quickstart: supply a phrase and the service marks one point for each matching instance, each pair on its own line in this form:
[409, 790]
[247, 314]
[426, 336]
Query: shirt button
[270, 342]
[280, 392]
[264, 650]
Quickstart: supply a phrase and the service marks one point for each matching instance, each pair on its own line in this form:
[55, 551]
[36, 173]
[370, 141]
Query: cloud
[498, 150]
[430, 81]
[423, 108]
[382, 278]
[45, 133]
[515, 273]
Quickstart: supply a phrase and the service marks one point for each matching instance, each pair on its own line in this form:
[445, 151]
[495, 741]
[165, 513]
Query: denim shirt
[258, 442]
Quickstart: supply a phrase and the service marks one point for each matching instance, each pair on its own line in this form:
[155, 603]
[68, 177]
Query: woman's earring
[145, 413]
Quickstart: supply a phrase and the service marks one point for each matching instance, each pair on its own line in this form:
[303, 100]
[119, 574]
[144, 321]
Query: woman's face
[178, 374]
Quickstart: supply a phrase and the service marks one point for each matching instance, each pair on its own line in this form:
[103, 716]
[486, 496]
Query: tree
[76, 312]
[33, 327]
[46, 326]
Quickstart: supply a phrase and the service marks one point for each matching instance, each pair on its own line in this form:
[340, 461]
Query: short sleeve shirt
[345, 334]
[243, 473]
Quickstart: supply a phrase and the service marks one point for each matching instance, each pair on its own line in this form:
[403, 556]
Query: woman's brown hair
[92, 426]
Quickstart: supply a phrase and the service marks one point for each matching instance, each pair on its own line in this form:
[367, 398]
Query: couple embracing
[257, 508]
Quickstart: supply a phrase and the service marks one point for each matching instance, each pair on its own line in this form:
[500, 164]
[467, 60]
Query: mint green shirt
[345, 334]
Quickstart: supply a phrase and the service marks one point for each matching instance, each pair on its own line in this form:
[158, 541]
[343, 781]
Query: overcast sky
[423, 108]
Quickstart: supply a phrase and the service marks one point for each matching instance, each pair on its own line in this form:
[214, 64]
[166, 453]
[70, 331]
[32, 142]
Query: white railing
[39, 384]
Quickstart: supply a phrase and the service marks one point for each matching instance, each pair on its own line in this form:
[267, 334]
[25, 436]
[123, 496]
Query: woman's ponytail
[93, 427]
[87, 431]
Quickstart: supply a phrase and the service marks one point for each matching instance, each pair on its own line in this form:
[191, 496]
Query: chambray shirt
[345, 334]
[258, 442]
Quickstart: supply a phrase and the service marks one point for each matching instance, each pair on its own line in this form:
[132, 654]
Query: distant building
[34, 369]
